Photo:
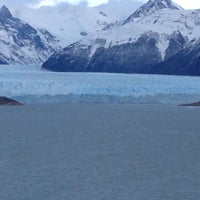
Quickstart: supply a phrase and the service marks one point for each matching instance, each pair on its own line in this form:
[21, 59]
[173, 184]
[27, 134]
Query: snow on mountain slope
[150, 7]
[118, 10]
[155, 32]
[71, 23]
[21, 43]
[163, 23]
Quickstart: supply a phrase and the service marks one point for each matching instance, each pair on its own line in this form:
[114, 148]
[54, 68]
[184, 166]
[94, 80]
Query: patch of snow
[163, 45]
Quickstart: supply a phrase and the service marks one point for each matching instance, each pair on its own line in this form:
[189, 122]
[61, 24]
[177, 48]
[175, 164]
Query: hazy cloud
[192, 4]
[38, 3]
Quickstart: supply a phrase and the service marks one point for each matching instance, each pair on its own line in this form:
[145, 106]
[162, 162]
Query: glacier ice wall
[29, 84]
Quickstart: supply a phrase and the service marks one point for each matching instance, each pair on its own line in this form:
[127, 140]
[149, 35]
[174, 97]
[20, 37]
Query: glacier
[30, 84]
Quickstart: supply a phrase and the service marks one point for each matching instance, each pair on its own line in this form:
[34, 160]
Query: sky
[187, 4]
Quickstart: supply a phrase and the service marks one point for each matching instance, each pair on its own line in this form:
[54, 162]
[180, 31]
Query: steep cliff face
[73, 58]
[118, 58]
[185, 62]
[23, 44]
[145, 51]
[157, 32]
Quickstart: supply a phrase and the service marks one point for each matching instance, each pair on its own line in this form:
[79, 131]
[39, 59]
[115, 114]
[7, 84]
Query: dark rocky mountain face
[115, 59]
[176, 44]
[5, 13]
[185, 62]
[142, 56]
[23, 44]
[71, 59]
[2, 62]
[112, 59]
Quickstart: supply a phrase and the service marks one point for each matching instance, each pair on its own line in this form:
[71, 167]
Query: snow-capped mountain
[150, 7]
[21, 43]
[156, 32]
[71, 23]
[67, 22]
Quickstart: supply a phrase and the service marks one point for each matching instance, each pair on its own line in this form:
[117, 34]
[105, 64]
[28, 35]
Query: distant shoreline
[8, 101]
[12, 102]
[192, 104]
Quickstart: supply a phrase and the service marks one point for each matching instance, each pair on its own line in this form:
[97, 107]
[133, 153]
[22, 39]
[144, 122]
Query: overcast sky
[183, 3]
[187, 4]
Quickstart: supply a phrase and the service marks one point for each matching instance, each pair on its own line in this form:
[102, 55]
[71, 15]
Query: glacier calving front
[32, 84]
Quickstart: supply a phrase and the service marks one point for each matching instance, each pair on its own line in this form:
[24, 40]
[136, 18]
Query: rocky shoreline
[7, 101]
[192, 104]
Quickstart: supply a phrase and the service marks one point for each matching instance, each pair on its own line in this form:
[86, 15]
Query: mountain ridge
[23, 44]
[150, 7]
[136, 46]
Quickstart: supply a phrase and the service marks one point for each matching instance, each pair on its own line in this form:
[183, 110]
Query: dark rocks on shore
[7, 101]
[192, 104]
